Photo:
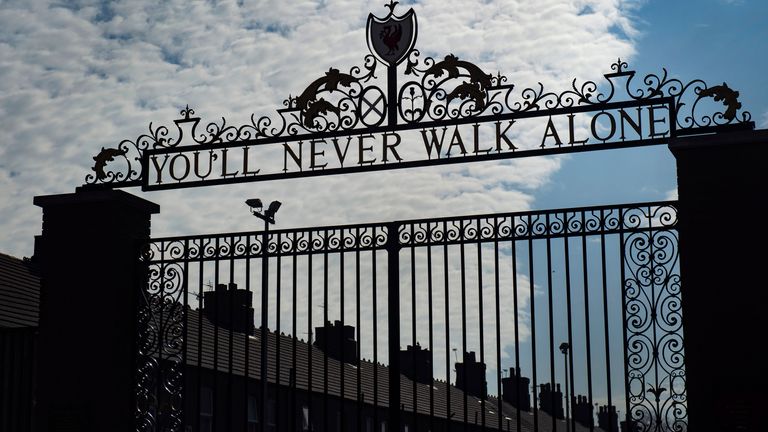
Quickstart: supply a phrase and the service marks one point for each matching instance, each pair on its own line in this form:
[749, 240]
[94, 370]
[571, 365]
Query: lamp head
[254, 204]
[273, 207]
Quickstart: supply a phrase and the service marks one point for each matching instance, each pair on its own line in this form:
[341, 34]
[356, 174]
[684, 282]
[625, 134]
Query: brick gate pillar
[87, 254]
[723, 212]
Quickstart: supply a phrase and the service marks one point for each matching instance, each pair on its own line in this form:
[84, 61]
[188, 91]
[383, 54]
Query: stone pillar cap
[94, 196]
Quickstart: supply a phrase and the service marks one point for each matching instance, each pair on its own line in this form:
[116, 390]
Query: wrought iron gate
[583, 302]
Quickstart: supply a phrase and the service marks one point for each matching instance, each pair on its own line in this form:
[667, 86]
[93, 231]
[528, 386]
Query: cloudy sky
[76, 76]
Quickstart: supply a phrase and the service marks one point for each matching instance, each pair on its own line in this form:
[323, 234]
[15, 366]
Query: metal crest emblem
[391, 38]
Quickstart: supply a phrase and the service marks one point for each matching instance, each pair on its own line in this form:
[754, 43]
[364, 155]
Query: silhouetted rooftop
[19, 293]
[19, 307]
[367, 371]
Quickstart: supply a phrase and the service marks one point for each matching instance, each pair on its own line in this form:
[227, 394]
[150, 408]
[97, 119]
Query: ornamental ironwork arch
[426, 96]
[442, 102]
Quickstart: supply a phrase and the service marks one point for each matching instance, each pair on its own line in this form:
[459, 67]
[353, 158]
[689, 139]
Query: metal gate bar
[606, 278]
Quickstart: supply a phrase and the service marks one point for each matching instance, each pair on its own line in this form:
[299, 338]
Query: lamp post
[564, 347]
[268, 216]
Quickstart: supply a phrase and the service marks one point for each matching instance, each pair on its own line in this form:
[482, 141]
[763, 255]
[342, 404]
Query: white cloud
[671, 195]
[78, 76]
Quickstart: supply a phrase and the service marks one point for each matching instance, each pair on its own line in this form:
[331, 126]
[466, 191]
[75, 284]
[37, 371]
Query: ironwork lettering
[422, 96]
[611, 129]
[341, 155]
[211, 157]
[159, 168]
[224, 172]
[287, 150]
[391, 147]
[636, 125]
[403, 147]
[432, 142]
[245, 164]
[361, 158]
[314, 153]
[456, 141]
[501, 135]
[653, 121]
[173, 167]
[572, 133]
[476, 135]
[551, 132]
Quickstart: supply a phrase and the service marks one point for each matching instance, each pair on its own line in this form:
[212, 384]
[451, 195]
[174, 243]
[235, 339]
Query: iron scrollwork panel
[655, 356]
[160, 356]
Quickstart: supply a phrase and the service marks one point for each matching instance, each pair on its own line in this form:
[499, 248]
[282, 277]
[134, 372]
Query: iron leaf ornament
[441, 93]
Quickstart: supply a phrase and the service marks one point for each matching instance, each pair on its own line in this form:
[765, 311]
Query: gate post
[723, 209]
[393, 323]
[88, 304]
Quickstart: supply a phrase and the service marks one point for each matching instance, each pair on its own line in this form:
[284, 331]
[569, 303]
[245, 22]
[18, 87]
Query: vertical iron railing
[467, 299]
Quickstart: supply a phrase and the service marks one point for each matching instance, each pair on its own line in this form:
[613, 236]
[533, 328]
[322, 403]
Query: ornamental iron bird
[104, 156]
[727, 95]
[451, 66]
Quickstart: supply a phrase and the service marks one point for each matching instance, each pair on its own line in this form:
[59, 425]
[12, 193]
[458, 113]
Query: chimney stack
[470, 376]
[416, 364]
[337, 341]
[582, 410]
[546, 394]
[515, 390]
[607, 418]
[230, 308]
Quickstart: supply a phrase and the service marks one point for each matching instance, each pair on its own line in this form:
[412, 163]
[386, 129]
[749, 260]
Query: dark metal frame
[653, 354]
[435, 94]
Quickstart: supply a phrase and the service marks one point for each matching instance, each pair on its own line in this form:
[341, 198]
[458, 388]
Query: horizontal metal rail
[351, 328]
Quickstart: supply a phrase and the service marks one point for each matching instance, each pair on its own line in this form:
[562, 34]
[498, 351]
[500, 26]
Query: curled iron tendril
[434, 90]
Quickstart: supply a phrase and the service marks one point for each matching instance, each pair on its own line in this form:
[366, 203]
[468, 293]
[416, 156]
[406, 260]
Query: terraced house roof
[19, 293]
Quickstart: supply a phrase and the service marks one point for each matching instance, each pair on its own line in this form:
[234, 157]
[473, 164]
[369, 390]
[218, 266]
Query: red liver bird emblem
[391, 38]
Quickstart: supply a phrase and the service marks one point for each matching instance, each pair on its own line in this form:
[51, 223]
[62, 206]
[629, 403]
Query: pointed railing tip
[392, 4]
[620, 66]
[186, 112]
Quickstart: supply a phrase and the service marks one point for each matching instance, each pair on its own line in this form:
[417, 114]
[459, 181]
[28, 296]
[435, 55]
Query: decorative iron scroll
[453, 89]
[435, 93]
[160, 357]
[655, 358]
[469, 229]
[281, 242]
[655, 374]
[534, 225]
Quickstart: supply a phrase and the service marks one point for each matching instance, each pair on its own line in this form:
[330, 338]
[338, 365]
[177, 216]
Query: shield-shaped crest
[390, 39]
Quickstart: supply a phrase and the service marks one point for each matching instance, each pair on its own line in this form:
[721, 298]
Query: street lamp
[564, 347]
[257, 209]
[268, 216]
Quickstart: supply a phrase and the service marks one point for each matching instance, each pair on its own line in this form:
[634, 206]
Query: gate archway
[454, 112]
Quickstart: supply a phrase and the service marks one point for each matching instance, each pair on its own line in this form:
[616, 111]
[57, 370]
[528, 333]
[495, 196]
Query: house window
[305, 418]
[206, 409]
[253, 417]
[271, 417]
